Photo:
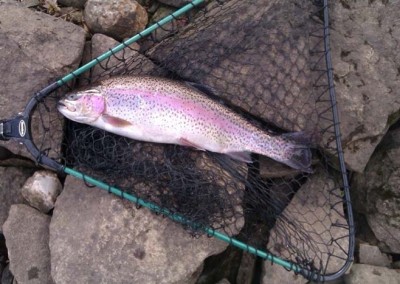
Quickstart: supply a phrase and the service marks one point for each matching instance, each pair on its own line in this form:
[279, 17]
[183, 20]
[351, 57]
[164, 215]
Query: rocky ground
[41, 240]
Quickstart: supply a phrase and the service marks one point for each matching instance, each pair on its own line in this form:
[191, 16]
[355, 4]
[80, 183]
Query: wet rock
[276, 274]
[36, 49]
[364, 39]
[73, 3]
[373, 256]
[110, 241]
[11, 181]
[368, 274]
[376, 192]
[313, 226]
[257, 61]
[27, 235]
[41, 190]
[118, 19]
[175, 3]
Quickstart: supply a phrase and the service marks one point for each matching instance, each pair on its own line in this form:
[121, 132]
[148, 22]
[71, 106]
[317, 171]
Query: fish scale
[164, 111]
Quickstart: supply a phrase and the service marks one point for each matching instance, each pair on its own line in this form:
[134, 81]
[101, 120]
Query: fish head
[83, 106]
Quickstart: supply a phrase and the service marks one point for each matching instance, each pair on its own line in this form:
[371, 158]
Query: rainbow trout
[163, 111]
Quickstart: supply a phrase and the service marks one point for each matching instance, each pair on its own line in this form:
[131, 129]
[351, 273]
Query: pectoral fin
[115, 121]
[240, 156]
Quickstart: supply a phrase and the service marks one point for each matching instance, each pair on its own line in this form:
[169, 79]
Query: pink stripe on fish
[194, 109]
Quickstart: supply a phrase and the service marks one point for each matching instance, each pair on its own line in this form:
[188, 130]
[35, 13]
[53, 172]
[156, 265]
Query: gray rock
[36, 49]
[11, 181]
[175, 3]
[365, 55]
[73, 3]
[109, 241]
[258, 61]
[41, 190]
[373, 256]
[27, 235]
[119, 19]
[376, 192]
[276, 274]
[368, 274]
[312, 226]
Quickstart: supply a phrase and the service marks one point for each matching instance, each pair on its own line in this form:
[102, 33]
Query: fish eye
[72, 97]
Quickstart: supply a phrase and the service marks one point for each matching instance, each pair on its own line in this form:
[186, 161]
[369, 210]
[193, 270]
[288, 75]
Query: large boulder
[36, 49]
[119, 19]
[11, 181]
[104, 239]
[27, 238]
[376, 192]
[365, 43]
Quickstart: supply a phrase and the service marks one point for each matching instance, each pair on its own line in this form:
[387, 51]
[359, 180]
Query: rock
[175, 3]
[118, 19]
[41, 190]
[11, 181]
[258, 61]
[376, 192]
[109, 241]
[364, 39]
[73, 3]
[312, 227]
[276, 274]
[27, 236]
[373, 256]
[36, 49]
[134, 64]
[368, 274]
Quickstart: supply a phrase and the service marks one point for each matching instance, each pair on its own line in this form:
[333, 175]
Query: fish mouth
[63, 105]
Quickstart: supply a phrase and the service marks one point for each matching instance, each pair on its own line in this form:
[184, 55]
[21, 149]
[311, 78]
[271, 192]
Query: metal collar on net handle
[19, 129]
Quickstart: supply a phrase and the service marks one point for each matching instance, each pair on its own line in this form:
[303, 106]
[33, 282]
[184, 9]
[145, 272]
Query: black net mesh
[266, 61]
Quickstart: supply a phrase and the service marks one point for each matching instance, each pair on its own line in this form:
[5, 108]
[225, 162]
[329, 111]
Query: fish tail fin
[298, 153]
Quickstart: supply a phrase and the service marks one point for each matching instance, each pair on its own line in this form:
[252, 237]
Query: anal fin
[185, 142]
[240, 156]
